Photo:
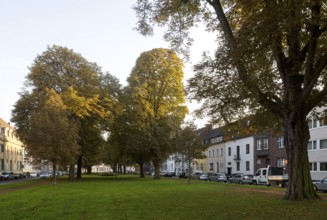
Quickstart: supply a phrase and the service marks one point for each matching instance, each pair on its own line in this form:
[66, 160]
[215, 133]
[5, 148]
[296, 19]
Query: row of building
[239, 155]
[247, 154]
[11, 149]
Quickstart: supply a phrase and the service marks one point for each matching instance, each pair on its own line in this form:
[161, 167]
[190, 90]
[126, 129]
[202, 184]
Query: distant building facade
[11, 149]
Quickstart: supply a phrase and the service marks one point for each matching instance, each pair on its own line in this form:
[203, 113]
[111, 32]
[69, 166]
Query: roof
[5, 124]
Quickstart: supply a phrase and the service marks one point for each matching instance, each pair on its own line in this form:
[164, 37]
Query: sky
[100, 30]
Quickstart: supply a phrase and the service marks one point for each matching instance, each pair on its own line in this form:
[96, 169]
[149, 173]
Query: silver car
[219, 177]
[321, 186]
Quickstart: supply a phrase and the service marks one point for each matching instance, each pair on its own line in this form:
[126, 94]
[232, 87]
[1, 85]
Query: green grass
[129, 197]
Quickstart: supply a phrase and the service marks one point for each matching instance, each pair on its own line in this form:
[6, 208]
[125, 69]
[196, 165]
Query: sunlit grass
[129, 197]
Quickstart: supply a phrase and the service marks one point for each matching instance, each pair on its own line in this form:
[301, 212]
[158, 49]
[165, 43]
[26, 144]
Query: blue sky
[100, 30]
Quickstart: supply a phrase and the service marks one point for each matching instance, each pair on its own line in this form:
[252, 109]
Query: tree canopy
[157, 102]
[270, 54]
[62, 93]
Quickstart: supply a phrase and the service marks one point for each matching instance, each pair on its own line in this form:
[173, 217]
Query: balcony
[262, 153]
[237, 157]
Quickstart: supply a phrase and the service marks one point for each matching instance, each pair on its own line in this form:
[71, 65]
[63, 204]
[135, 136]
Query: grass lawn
[129, 197]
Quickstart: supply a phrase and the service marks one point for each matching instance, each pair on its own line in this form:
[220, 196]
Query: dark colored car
[183, 175]
[321, 186]
[19, 176]
[169, 174]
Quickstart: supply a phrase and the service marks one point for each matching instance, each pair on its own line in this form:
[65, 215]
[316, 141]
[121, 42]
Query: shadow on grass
[101, 178]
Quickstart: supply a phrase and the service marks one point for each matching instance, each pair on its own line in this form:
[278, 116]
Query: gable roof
[5, 124]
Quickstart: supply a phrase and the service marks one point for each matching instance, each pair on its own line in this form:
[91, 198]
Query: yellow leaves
[80, 106]
[54, 100]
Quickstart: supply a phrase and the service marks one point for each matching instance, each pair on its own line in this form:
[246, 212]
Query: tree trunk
[54, 176]
[156, 165]
[189, 177]
[114, 168]
[72, 172]
[141, 169]
[79, 167]
[89, 169]
[296, 132]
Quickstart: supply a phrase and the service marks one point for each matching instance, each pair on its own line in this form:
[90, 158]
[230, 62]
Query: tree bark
[54, 176]
[156, 165]
[89, 169]
[141, 169]
[297, 135]
[79, 167]
[72, 172]
[189, 177]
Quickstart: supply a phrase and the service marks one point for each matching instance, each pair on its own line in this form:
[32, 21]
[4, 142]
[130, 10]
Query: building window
[312, 123]
[281, 162]
[313, 166]
[280, 142]
[238, 166]
[217, 153]
[247, 148]
[265, 143]
[312, 145]
[323, 166]
[229, 151]
[323, 144]
[259, 144]
[247, 163]
[211, 167]
[323, 121]
[209, 153]
[221, 152]
[262, 144]
[258, 161]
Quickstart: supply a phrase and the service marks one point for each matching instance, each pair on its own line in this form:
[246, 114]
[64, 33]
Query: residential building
[269, 150]
[11, 149]
[216, 151]
[317, 146]
[240, 155]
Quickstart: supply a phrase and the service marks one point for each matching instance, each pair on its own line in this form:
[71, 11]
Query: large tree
[67, 79]
[271, 54]
[48, 133]
[157, 101]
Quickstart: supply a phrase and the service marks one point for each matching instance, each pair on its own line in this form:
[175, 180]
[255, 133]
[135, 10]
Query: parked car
[8, 175]
[247, 179]
[45, 175]
[321, 186]
[196, 175]
[19, 176]
[2, 178]
[236, 178]
[169, 174]
[219, 177]
[183, 175]
[33, 174]
[203, 176]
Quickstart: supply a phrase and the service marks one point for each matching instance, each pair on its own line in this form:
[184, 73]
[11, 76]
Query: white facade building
[317, 146]
[240, 156]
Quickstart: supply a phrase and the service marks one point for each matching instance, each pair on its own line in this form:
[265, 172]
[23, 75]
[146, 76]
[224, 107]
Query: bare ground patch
[9, 190]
